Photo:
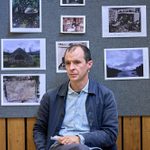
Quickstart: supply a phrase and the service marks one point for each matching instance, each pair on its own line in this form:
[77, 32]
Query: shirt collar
[85, 88]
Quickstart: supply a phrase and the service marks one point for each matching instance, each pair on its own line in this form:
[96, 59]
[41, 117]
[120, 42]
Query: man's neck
[78, 86]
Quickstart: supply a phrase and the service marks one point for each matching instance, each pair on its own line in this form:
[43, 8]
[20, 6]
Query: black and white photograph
[61, 47]
[126, 63]
[25, 16]
[22, 89]
[124, 21]
[23, 54]
[72, 2]
[72, 24]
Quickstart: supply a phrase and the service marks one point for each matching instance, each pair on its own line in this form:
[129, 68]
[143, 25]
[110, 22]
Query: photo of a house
[20, 58]
[23, 53]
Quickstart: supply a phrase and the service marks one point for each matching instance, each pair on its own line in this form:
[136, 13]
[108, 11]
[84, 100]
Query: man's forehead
[75, 49]
[75, 55]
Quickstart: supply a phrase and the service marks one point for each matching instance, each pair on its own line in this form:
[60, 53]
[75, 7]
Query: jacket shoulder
[98, 87]
[59, 90]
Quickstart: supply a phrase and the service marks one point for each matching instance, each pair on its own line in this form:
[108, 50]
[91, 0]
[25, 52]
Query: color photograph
[72, 24]
[61, 47]
[25, 16]
[23, 54]
[72, 2]
[126, 63]
[22, 89]
[124, 21]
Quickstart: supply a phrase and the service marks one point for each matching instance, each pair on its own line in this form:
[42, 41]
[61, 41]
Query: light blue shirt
[75, 120]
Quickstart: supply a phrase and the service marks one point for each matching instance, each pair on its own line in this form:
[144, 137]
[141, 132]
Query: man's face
[76, 65]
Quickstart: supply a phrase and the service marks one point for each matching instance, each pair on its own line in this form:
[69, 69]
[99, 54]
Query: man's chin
[73, 78]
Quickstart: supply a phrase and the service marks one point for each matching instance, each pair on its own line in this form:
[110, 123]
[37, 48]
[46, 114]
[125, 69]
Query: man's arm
[107, 133]
[40, 127]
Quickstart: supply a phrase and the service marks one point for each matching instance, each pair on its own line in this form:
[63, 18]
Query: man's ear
[90, 63]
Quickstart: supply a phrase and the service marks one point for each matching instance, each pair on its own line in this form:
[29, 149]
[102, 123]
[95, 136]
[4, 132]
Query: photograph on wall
[126, 63]
[61, 47]
[72, 24]
[124, 21]
[22, 89]
[72, 2]
[23, 54]
[25, 16]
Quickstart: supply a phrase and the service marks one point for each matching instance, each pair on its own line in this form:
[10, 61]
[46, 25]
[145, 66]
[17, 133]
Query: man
[79, 114]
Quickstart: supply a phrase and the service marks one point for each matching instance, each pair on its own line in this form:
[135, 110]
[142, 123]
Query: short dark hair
[86, 50]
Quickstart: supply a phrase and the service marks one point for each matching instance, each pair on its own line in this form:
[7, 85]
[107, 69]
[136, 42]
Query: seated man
[80, 114]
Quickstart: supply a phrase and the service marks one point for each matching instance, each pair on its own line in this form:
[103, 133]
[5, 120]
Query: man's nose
[72, 66]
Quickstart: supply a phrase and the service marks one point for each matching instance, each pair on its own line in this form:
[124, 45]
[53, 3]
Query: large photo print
[126, 63]
[22, 89]
[23, 54]
[25, 16]
[124, 21]
[61, 47]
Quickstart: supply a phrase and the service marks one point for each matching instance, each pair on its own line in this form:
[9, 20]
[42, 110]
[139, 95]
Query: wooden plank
[30, 142]
[16, 134]
[146, 133]
[2, 134]
[131, 133]
[119, 140]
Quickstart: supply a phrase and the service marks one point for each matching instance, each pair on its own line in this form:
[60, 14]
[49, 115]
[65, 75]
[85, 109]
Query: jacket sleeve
[40, 127]
[106, 134]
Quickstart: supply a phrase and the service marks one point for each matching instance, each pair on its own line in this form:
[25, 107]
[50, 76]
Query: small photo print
[25, 16]
[126, 63]
[61, 47]
[72, 2]
[23, 54]
[72, 24]
[124, 21]
[22, 89]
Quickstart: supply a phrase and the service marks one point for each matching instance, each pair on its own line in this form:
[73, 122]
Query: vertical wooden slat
[16, 134]
[2, 134]
[146, 133]
[30, 142]
[131, 133]
[119, 140]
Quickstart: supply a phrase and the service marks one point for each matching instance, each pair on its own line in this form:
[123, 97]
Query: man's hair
[87, 53]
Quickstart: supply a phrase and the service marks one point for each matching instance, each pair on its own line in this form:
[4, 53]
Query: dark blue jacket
[101, 112]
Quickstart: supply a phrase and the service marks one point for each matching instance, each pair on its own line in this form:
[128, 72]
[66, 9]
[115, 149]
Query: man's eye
[67, 63]
[77, 62]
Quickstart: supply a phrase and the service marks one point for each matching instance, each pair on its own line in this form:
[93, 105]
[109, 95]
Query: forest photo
[25, 15]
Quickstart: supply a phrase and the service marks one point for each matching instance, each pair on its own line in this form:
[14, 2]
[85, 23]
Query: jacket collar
[64, 88]
[92, 87]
